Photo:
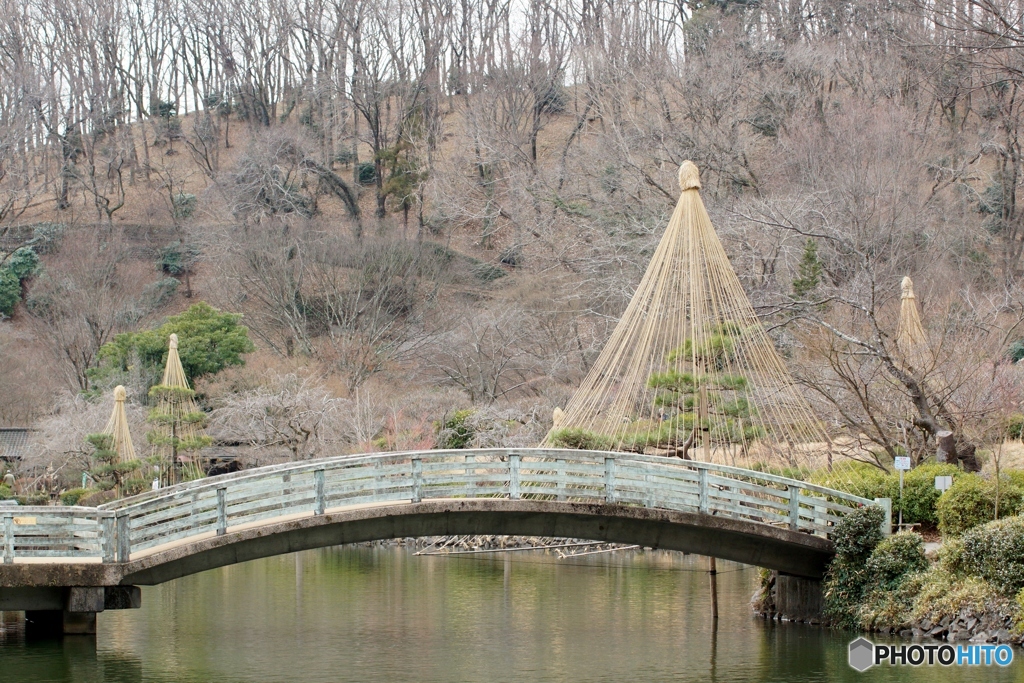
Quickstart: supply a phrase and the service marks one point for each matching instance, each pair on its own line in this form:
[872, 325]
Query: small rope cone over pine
[689, 370]
[178, 434]
[910, 336]
[117, 428]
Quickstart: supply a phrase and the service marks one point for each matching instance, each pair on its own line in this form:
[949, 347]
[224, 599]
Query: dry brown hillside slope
[405, 245]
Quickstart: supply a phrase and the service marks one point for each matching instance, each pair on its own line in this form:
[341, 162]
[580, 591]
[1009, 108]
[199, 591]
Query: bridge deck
[248, 503]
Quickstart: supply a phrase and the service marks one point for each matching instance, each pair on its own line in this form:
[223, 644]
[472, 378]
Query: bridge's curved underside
[791, 552]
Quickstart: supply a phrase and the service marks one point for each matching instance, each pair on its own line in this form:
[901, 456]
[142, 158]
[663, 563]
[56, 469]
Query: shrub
[919, 492]
[995, 552]
[859, 478]
[858, 533]
[1015, 423]
[184, 205]
[847, 578]
[366, 173]
[37, 498]
[1015, 477]
[895, 574]
[455, 432]
[5, 492]
[72, 496]
[10, 292]
[970, 502]
[177, 259]
[575, 437]
[895, 558]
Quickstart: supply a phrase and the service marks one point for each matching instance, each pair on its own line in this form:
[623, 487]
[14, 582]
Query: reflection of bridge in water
[64, 564]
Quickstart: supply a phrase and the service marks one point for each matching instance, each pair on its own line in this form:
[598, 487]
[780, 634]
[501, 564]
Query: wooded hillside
[431, 212]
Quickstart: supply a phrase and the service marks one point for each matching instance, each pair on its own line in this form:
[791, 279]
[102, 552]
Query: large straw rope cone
[688, 301]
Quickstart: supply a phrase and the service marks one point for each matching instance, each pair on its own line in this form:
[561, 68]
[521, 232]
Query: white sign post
[902, 464]
[943, 483]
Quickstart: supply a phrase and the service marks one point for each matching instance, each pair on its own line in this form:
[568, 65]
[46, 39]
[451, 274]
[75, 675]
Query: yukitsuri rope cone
[117, 428]
[179, 422]
[689, 370]
[910, 336]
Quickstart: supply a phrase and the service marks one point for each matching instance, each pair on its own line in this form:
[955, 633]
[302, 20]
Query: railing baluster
[321, 501]
[794, 507]
[124, 537]
[703, 503]
[417, 480]
[513, 477]
[377, 480]
[222, 510]
[8, 538]
[563, 482]
[886, 505]
[609, 480]
[108, 544]
[469, 469]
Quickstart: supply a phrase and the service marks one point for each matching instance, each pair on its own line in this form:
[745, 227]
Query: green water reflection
[383, 614]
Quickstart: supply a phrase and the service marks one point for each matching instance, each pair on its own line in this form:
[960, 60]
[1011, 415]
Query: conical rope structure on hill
[178, 419]
[910, 336]
[690, 370]
[117, 428]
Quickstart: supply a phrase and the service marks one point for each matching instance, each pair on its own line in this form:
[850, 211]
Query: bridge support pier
[57, 623]
[797, 598]
[53, 611]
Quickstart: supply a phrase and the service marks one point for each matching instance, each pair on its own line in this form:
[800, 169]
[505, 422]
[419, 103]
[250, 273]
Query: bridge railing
[57, 532]
[218, 505]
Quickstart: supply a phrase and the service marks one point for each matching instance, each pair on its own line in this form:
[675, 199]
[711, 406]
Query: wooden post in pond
[713, 571]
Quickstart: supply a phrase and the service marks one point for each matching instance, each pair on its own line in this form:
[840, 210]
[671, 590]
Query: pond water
[382, 613]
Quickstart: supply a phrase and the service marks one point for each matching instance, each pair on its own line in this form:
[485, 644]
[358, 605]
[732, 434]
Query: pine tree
[809, 270]
[109, 471]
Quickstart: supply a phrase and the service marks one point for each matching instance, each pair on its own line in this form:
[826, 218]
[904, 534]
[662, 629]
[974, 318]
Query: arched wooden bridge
[55, 556]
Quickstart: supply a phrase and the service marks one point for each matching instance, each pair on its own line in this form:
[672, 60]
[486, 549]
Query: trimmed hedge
[72, 496]
[970, 502]
[995, 552]
[919, 492]
[858, 478]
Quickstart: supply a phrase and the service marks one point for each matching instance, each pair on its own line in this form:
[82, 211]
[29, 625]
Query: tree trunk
[946, 450]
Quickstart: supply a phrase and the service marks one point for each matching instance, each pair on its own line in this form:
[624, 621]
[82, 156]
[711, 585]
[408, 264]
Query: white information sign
[902, 463]
[943, 483]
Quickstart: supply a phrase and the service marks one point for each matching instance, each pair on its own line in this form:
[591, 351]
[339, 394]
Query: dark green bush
[858, 533]
[5, 492]
[581, 439]
[895, 558]
[1015, 424]
[37, 498]
[995, 552]
[72, 496]
[896, 572]
[366, 173]
[455, 431]
[10, 292]
[20, 265]
[971, 501]
[178, 259]
[847, 578]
